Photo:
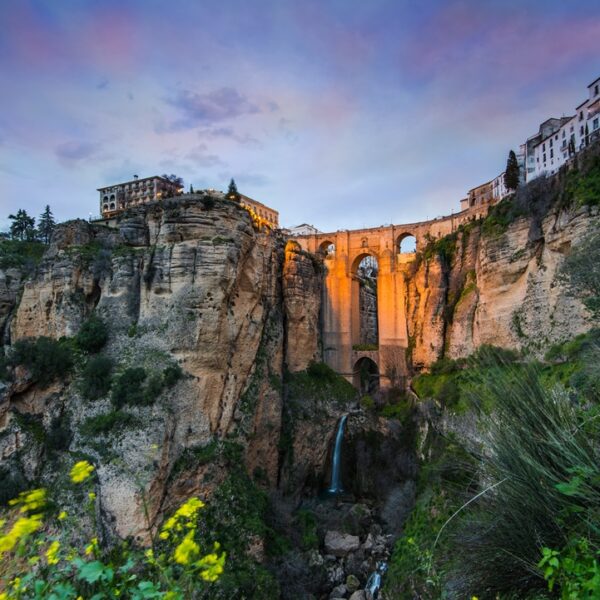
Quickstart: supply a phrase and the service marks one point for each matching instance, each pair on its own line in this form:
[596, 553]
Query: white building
[303, 229]
[559, 139]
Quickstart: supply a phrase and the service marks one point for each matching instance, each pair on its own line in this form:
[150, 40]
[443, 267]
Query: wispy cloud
[74, 151]
[201, 157]
[212, 107]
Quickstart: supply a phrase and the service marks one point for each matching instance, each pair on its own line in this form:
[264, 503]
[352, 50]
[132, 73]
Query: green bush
[492, 356]
[115, 420]
[128, 388]
[96, 377]
[544, 466]
[59, 435]
[93, 335]
[307, 524]
[153, 389]
[20, 254]
[12, 483]
[171, 375]
[45, 359]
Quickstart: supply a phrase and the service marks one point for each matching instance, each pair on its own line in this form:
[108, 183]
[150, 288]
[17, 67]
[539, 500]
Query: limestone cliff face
[190, 281]
[497, 288]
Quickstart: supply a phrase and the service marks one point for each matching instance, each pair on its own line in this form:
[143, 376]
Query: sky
[339, 113]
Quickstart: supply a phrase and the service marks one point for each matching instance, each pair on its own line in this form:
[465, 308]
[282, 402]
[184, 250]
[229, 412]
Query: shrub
[59, 434]
[112, 421]
[20, 254]
[171, 375]
[45, 359]
[544, 467]
[93, 335]
[153, 389]
[96, 375]
[128, 387]
[12, 483]
[492, 356]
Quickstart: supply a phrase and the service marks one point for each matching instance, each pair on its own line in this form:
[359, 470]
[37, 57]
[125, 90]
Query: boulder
[352, 583]
[341, 544]
[338, 591]
[358, 595]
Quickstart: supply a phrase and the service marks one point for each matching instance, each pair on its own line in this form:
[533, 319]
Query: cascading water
[374, 582]
[335, 486]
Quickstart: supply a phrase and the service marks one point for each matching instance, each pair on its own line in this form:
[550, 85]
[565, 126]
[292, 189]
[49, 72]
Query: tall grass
[548, 465]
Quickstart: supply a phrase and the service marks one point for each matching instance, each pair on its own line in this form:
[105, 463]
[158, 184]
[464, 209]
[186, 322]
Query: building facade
[303, 229]
[262, 211]
[482, 194]
[118, 197]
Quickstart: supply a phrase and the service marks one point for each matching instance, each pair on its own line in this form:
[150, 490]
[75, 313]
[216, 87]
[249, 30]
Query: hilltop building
[557, 140]
[116, 198]
[303, 229]
[262, 211]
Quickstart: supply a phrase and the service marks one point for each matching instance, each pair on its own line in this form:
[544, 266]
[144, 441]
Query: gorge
[228, 358]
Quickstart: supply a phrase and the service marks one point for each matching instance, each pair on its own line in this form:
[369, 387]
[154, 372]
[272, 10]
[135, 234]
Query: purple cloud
[202, 158]
[74, 151]
[212, 107]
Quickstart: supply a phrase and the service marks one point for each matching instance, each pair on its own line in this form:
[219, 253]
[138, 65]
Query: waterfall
[374, 582]
[336, 483]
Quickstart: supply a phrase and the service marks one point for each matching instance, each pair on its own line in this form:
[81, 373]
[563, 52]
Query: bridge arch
[406, 242]
[327, 249]
[365, 375]
[365, 301]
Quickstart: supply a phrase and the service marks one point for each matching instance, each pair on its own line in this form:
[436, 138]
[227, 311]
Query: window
[551, 153]
[581, 130]
[595, 90]
[556, 136]
[595, 123]
[550, 142]
[564, 133]
[544, 147]
[544, 157]
[581, 116]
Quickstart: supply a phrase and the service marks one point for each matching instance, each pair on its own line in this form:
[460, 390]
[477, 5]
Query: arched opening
[406, 243]
[365, 317]
[112, 197]
[112, 206]
[365, 376]
[327, 249]
[105, 207]
[105, 199]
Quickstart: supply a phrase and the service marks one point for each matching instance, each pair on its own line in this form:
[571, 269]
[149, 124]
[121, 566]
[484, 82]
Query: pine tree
[23, 226]
[191, 189]
[232, 191]
[511, 175]
[46, 225]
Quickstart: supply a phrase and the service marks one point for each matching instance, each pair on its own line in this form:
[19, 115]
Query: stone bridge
[342, 252]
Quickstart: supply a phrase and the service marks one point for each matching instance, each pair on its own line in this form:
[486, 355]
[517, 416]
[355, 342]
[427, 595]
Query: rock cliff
[497, 283]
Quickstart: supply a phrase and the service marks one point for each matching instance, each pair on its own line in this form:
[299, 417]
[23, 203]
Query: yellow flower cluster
[22, 528]
[81, 471]
[92, 547]
[183, 518]
[52, 553]
[31, 501]
[211, 566]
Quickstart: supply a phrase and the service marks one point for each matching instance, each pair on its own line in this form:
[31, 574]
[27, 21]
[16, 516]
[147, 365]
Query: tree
[191, 189]
[173, 179]
[46, 224]
[23, 226]
[232, 191]
[511, 175]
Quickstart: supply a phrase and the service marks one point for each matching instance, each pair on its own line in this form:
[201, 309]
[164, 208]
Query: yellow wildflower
[62, 515]
[211, 566]
[23, 527]
[92, 496]
[186, 551]
[92, 546]
[189, 509]
[3, 596]
[52, 553]
[30, 501]
[81, 471]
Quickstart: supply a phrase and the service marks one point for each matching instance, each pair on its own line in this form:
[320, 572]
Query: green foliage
[307, 524]
[545, 468]
[96, 377]
[583, 186]
[444, 248]
[195, 456]
[46, 225]
[511, 175]
[416, 568]
[59, 435]
[93, 335]
[128, 388]
[575, 570]
[12, 483]
[45, 359]
[365, 347]
[20, 254]
[114, 421]
[22, 226]
[367, 402]
[171, 375]
[321, 383]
